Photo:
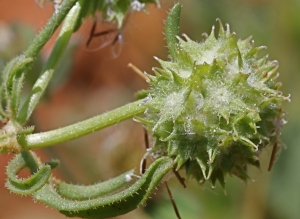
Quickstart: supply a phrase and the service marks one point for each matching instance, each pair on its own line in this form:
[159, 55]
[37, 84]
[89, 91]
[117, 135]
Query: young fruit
[214, 106]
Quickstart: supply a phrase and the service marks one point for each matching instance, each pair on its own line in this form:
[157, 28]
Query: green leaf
[13, 78]
[80, 192]
[25, 186]
[172, 30]
[16, 94]
[47, 72]
[113, 205]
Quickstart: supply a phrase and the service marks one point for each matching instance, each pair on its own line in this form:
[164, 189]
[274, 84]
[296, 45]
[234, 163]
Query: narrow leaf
[113, 205]
[172, 30]
[81, 192]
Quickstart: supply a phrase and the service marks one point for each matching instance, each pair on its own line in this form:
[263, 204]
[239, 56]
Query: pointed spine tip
[221, 31]
[186, 37]
[228, 28]
[212, 32]
[205, 35]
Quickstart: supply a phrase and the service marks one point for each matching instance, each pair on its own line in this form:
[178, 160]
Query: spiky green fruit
[215, 106]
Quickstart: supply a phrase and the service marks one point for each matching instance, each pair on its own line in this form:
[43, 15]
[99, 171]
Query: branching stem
[48, 70]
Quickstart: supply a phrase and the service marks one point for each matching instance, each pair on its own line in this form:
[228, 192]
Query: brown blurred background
[89, 83]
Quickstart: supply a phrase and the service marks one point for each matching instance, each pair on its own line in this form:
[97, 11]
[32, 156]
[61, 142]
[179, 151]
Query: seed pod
[214, 106]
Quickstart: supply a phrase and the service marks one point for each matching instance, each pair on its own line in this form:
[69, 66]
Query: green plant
[212, 108]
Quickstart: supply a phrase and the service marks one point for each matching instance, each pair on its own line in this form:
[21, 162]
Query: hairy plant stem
[50, 138]
[46, 33]
[48, 70]
[30, 161]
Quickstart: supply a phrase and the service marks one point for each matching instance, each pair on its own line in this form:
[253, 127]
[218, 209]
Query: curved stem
[85, 127]
[30, 161]
[48, 70]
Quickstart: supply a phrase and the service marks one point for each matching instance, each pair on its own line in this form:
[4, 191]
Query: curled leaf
[112, 205]
[29, 185]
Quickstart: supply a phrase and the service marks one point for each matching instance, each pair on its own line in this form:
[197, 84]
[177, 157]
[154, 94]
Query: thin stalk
[64, 134]
[46, 33]
[48, 70]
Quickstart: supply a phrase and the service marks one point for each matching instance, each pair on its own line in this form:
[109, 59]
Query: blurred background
[88, 83]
